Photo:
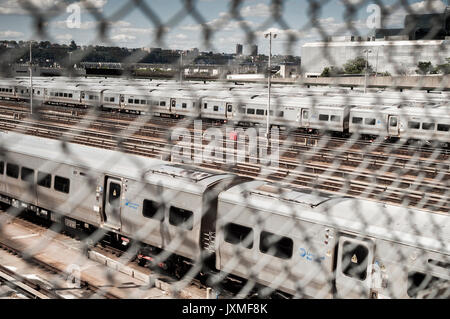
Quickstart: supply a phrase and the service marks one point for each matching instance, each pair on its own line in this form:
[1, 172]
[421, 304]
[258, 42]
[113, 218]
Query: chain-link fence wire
[334, 212]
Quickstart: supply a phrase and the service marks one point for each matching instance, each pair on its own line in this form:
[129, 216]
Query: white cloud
[181, 36]
[64, 37]
[123, 38]
[87, 25]
[257, 10]
[10, 34]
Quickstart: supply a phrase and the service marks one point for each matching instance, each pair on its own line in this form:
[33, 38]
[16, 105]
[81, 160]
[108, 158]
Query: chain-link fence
[345, 196]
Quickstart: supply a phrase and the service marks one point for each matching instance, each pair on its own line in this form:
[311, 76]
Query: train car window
[250, 111]
[428, 126]
[335, 118]
[418, 281]
[44, 179]
[216, 108]
[181, 217]
[230, 108]
[143, 102]
[443, 127]
[237, 234]
[357, 120]
[65, 94]
[280, 113]
[114, 194]
[323, 117]
[370, 121]
[393, 122]
[70, 95]
[136, 101]
[111, 99]
[12, 170]
[162, 103]
[259, 112]
[205, 105]
[151, 209]
[27, 174]
[122, 99]
[2, 168]
[355, 260]
[414, 125]
[275, 245]
[130, 101]
[183, 105]
[106, 99]
[62, 184]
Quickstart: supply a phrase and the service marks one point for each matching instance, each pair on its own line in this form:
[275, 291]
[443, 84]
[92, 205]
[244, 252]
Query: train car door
[113, 201]
[393, 123]
[354, 263]
[173, 104]
[305, 117]
[122, 101]
[229, 110]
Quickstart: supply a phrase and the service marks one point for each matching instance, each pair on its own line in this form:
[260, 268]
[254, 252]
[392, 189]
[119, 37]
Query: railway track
[118, 259]
[389, 186]
[38, 290]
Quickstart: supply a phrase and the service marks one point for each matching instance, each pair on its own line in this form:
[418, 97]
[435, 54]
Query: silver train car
[321, 246]
[398, 121]
[93, 188]
[318, 110]
[299, 242]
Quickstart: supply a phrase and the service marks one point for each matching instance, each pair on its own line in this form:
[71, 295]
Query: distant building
[239, 48]
[425, 37]
[288, 70]
[395, 57]
[253, 50]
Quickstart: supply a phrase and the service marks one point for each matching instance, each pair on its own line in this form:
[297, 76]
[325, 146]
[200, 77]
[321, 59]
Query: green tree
[356, 66]
[424, 67]
[331, 71]
[444, 68]
[72, 46]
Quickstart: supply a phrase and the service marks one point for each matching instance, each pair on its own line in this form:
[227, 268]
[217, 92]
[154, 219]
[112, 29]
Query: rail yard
[164, 189]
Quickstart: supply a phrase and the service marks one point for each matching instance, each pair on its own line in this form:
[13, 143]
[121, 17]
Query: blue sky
[131, 28]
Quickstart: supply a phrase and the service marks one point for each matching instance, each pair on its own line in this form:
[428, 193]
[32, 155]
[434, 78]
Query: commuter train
[295, 240]
[388, 115]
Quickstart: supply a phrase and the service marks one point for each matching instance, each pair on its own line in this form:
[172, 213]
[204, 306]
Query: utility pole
[367, 66]
[269, 80]
[181, 68]
[31, 82]
[376, 65]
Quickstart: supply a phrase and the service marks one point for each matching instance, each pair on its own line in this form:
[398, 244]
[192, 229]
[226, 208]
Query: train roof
[114, 163]
[375, 219]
